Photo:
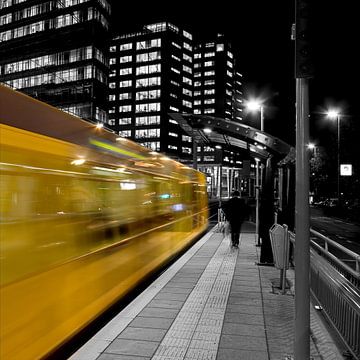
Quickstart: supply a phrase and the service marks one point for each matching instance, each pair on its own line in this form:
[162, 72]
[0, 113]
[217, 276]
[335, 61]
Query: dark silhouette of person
[235, 211]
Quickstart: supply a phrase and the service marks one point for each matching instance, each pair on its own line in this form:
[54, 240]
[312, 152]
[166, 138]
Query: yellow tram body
[84, 218]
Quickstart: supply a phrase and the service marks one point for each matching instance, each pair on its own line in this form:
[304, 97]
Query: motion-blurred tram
[85, 216]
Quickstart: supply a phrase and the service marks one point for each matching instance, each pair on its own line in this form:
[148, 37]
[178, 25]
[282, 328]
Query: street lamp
[255, 105]
[334, 114]
[257, 189]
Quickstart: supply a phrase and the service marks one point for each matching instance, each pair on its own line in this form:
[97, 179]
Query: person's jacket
[236, 210]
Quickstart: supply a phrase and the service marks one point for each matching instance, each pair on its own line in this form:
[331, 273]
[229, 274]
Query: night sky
[261, 35]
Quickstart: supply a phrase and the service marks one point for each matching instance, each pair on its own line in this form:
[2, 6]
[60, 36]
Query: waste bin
[279, 246]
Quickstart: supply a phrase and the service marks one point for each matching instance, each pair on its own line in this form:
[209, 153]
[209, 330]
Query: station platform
[214, 303]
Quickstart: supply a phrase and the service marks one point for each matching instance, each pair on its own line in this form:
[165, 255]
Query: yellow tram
[85, 216]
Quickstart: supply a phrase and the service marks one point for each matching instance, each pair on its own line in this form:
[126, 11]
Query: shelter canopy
[231, 135]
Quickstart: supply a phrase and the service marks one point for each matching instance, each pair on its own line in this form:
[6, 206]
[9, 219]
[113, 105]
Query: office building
[151, 76]
[217, 85]
[157, 71]
[56, 51]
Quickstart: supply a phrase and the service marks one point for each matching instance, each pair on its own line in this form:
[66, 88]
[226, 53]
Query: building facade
[217, 85]
[56, 51]
[160, 70]
[151, 76]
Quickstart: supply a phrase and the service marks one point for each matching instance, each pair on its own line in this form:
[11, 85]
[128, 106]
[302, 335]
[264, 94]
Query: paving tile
[155, 323]
[247, 295]
[177, 290]
[159, 312]
[121, 357]
[236, 300]
[166, 304]
[131, 347]
[245, 309]
[243, 342]
[170, 296]
[200, 354]
[232, 354]
[243, 329]
[244, 319]
[148, 334]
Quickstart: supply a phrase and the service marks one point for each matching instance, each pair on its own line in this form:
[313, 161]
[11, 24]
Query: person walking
[235, 211]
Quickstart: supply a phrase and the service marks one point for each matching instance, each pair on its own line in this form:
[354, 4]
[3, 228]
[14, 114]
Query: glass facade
[42, 55]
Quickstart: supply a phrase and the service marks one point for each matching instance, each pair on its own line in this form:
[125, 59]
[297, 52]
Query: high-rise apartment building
[151, 76]
[55, 51]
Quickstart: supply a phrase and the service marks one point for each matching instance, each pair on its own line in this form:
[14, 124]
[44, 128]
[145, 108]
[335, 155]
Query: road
[343, 232]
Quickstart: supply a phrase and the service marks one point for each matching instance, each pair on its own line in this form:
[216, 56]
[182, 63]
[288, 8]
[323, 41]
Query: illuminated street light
[255, 105]
[335, 115]
[207, 131]
[311, 146]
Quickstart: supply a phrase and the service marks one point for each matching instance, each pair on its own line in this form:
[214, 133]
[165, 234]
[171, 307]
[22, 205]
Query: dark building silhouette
[56, 51]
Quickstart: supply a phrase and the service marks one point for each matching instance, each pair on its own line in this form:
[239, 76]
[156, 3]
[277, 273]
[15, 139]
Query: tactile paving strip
[201, 317]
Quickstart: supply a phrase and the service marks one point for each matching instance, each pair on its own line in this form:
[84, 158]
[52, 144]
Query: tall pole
[261, 118]
[338, 157]
[257, 189]
[195, 163]
[302, 244]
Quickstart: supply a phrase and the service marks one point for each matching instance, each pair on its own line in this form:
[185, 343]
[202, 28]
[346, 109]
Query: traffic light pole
[302, 215]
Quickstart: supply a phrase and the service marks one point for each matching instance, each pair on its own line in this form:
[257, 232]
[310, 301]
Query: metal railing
[351, 274]
[335, 286]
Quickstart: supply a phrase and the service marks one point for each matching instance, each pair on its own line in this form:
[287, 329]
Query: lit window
[187, 69]
[187, 92]
[147, 120]
[209, 54]
[187, 35]
[125, 108]
[219, 47]
[186, 150]
[187, 46]
[148, 44]
[124, 96]
[149, 107]
[209, 91]
[125, 83]
[187, 103]
[187, 58]
[112, 61]
[125, 59]
[125, 133]
[125, 71]
[125, 46]
[173, 134]
[209, 63]
[147, 133]
[125, 121]
[112, 48]
[187, 80]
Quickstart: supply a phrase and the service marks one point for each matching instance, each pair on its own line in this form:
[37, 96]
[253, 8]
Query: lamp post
[334, 114]
[255, 105]
[257, 189]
